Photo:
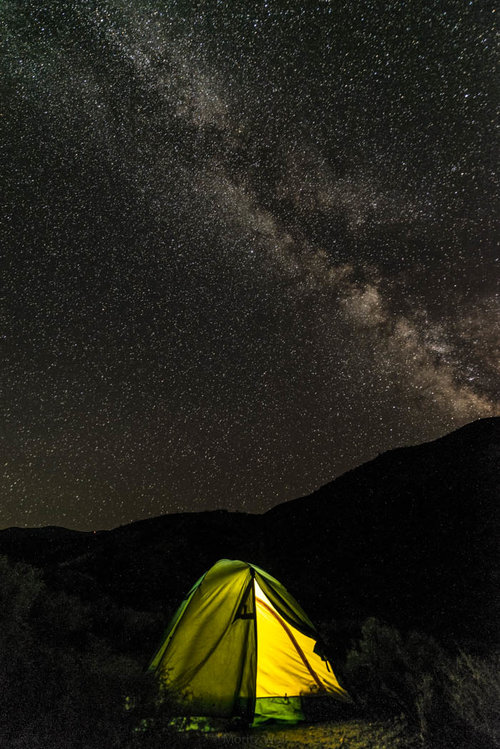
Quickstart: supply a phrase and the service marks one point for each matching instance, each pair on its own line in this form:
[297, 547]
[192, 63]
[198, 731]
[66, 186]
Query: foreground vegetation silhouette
[72, 674]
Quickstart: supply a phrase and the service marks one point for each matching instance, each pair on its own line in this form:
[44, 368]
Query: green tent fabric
[241, 646]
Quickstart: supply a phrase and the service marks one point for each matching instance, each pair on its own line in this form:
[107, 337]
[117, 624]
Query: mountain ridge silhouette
[411, 537]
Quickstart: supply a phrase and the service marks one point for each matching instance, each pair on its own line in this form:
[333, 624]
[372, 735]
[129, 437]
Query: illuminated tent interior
[241, 646]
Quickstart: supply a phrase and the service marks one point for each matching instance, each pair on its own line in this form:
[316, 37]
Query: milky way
[249, 246]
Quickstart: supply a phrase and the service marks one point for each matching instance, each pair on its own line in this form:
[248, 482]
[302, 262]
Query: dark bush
[450, 701]
[61, 684]
[474, 695]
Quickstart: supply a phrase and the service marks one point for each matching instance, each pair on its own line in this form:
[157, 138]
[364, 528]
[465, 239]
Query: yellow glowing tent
[241, 645]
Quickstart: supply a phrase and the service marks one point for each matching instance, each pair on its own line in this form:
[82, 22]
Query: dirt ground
[350, 735]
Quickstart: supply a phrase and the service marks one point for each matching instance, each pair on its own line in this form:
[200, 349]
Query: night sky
[250, 245]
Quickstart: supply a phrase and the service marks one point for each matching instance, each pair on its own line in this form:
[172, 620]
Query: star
[249, 247]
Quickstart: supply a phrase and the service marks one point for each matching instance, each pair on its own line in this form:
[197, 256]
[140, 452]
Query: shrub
[474, 695]
[63, 685]
[60, 686]
[450, 701]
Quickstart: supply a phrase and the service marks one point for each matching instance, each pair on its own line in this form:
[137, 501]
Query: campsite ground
[350, 735]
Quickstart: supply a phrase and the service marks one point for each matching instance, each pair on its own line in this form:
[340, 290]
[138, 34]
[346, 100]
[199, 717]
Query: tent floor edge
[284, 710]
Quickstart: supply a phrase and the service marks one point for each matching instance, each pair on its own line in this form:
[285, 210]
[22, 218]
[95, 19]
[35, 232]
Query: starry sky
[249, 246]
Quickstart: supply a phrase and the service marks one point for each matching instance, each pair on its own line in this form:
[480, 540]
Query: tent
[241, 646]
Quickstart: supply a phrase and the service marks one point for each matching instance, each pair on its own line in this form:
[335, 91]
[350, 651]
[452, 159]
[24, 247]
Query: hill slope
[412, 536]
